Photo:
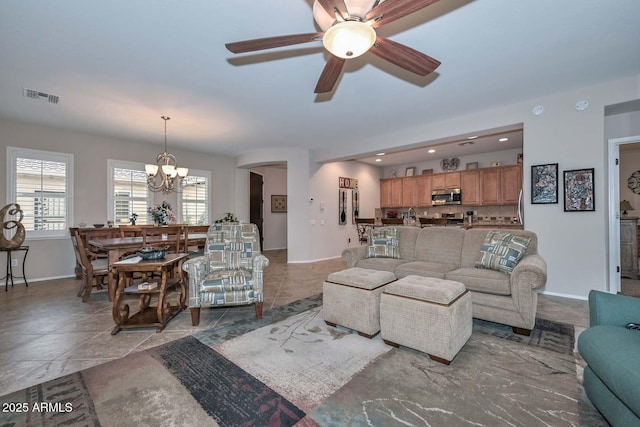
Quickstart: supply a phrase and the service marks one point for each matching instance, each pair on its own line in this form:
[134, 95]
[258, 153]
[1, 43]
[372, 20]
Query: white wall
[330, 239]
[55, 258]
[275, 223]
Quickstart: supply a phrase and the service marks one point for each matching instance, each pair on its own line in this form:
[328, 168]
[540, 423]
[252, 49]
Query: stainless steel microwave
[452, 196]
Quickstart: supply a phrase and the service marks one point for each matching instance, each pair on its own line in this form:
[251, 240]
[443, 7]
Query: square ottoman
[426, 314]
[351, 298]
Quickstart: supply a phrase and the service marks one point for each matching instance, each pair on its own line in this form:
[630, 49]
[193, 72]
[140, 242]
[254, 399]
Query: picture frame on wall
[544, 184]
[279, 203]
[579, 194]
[411, 171]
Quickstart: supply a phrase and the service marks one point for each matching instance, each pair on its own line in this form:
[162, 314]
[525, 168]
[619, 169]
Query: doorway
[256, 203]
[614, 149]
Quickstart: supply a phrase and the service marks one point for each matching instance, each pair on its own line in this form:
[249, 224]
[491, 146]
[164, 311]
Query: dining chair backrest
[130, 230]
[392, 221]
[425, 222]
[166, 235]
[191, 243]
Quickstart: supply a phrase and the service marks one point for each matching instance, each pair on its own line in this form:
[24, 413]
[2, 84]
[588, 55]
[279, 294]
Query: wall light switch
[321, 206]
[313, 222]
[322, 222]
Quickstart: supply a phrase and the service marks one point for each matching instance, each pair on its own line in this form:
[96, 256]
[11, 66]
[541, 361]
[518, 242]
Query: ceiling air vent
[36, 94]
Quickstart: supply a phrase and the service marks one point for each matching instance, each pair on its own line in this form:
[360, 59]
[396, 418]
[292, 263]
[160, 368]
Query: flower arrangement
[228, 217]
[162, 214]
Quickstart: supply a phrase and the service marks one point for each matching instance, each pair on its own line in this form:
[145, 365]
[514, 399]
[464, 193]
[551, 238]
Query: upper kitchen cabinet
[409, 192]
[470, 187]
[391, 193]
[423, 190]
[500, 185]
[445, 181]
[511, 181]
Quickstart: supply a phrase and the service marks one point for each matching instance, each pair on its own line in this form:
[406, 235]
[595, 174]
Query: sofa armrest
[352, 255]
[613, 310]
[531, 272]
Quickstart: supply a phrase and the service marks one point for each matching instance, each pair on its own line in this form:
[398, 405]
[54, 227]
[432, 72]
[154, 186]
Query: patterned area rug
[290, 368]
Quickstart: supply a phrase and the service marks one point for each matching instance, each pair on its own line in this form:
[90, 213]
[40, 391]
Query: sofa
[502, 295]
[612, 353]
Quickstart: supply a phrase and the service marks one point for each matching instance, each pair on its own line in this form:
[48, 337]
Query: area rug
[290, 368]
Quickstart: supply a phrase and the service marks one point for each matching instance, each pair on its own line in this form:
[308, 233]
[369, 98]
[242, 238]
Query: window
[41, 182]
[194, 199]
[128, 192]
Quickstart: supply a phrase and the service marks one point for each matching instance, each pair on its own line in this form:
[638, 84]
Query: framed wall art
[579, 195]
[544, 184]
[410, 171]
[278, 203]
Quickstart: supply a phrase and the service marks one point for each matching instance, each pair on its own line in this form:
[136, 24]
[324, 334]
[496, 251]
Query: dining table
[117, 247]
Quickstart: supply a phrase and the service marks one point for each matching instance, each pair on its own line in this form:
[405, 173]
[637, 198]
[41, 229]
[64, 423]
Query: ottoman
[426, 314]
[351, 298]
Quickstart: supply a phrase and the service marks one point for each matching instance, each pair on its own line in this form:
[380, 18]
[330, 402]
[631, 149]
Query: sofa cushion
[442, 245]
[479, 280]
[501, 251]
[474, 238]
[613, 354]
[384, 264]
[424, 269]
[383, 242]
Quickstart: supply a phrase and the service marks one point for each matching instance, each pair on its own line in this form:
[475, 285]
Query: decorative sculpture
[16, 241]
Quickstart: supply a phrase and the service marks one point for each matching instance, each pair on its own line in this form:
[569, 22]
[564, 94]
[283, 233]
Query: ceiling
[118, 66]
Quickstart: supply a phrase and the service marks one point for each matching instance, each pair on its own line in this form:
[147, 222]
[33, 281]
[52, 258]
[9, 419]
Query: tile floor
[48, 332]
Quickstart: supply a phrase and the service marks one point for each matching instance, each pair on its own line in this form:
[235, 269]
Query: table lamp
[625, 206]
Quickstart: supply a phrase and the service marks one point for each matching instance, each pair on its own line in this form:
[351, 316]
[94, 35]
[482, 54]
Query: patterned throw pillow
[383, 242]
[502, 251]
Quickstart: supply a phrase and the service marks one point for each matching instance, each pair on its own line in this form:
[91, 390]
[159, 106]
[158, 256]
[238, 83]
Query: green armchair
[612, 353]
[230, 272]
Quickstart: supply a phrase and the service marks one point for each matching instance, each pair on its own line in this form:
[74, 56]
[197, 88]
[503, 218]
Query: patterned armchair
[230, 272]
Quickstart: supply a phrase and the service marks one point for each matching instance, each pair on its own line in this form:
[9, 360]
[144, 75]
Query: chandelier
[165, 175]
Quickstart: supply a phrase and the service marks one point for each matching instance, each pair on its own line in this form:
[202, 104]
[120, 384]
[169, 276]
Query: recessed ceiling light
[431, 151]
[378, 160]
[381, 154]
[472, 137]
[503, 139]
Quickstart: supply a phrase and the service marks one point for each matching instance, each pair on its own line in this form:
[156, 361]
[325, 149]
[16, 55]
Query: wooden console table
[170, 268]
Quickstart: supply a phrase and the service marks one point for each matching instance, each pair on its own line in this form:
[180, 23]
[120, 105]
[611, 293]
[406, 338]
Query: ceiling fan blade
[389, 11]
[271, 42]
[331, 5]
[330, 74]
[404, 56]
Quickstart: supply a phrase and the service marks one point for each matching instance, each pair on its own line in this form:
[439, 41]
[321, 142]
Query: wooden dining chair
[155, 236]
[392, 221]
[192, 246]
[130, 231]
[94, 268]
[362, 225]
[429, 222]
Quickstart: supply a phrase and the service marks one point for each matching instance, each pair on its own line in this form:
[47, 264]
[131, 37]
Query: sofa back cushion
[407, 241]
[440, 245]
[475, 237]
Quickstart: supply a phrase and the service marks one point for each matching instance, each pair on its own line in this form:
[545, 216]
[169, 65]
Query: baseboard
[44, 279]
[557, 294]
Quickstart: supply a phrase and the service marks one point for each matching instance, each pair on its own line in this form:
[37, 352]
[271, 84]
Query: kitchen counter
[489, 224]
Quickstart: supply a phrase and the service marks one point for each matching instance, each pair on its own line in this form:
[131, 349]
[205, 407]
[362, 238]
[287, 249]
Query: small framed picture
[579, 195]
[410, 171]
[544, 184]
[279, 203]
[472, 165]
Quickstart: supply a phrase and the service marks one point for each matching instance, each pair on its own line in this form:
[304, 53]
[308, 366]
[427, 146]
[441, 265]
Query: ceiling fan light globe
[349, 39]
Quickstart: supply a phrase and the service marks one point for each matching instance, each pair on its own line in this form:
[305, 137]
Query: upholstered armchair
[230, 272]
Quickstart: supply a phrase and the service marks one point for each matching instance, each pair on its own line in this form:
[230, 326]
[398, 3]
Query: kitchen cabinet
[445, 181]
[629, 247]
[490, 186]
[511, 184]
[391, 193]
[423, 190]
[409, 192]
[470, 187]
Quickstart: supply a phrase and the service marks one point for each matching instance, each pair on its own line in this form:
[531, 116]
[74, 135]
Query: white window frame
[207, 176]
[122, 164]
[13, 153]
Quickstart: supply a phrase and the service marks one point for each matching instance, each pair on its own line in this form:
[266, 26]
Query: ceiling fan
[348, 31]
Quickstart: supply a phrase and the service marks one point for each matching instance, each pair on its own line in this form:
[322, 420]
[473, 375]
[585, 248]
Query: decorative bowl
[151, 253]
[98, 225]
